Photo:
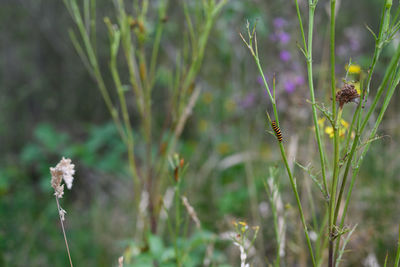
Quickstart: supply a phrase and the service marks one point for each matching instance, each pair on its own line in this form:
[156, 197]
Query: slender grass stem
[115, 38]
[308, 51]
[396, 80]
[296, 194]
[272, 194]
[254, 53]
[157, 41]
[379, 42]
[336, 134]
[63, 230]
[397, 261]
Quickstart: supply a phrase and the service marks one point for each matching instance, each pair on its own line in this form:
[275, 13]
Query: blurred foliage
[49, 108]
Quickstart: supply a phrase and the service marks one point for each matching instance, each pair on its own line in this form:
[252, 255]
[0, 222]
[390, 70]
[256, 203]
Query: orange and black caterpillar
[277, 131]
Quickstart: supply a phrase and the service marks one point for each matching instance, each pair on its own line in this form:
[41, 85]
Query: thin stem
[177, 223]
[332, 50]
[157, 41]
[308, 48]
[283, 153]
[397, 261]
[125, 113]
[346, 172]
[301, 26]
[184, 86]
[271, 195]
[383, 28]
[336, 135]
[395, 82]
[95, 65]
[294, 187]
[357, 117]
[63, 230]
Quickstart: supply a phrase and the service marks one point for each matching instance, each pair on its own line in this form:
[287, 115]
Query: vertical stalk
[294, 187]
[395, 73]
[379, 43]
[336, 135]
[283, 154]
[63, 230]
[308, 53]
[177, 223]
[397, 261]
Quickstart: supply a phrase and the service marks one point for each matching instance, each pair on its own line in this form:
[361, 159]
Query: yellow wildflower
[342, 132]
[353, 69]
[357, 87]
[344, 123]
[329, 131]
[321, 122]
[242, 223]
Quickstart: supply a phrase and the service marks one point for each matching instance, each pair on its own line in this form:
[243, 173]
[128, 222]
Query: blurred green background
[50, 107]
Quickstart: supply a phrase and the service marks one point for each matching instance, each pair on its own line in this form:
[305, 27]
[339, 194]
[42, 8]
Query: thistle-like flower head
[64, 170]
[347, 94]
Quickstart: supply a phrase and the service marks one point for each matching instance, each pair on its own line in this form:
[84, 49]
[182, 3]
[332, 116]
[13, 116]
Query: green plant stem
[188, 80]
[379, 42]
[294, 187]
[389, 73]
[272, 200]
[322, 240]
[93, 23]
[336, 134]
[130, 57]
[125, 113]
[177, 223]
[332, 53]
[377, 52]
[345, 175]
[397, 261]
[283, 153]
[308, 52]
[76, 14]
[211, 13]
[157, 41]
[387, 99]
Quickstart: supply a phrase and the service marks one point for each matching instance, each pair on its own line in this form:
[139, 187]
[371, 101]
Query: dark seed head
[347, 94]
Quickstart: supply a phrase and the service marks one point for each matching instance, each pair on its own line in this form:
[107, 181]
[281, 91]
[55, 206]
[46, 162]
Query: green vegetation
[166, 110]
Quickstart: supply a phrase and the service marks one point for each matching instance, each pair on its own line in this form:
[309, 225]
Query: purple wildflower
[290, 86]
[299, 80]
[260, 80]
[283, 37]
[279, 22]
[285, 55]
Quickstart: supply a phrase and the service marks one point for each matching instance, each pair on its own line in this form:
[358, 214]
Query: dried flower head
[347, 94]
[121, 261]
[64, 170]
